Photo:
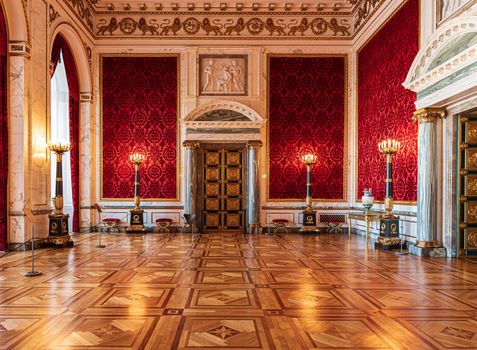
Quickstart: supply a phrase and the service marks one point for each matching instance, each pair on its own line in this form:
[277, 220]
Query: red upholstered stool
[163, 224]
[334, 222]
[111, 224]
[280, 224]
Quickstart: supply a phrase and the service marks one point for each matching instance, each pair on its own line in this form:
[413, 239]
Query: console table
[365, 216]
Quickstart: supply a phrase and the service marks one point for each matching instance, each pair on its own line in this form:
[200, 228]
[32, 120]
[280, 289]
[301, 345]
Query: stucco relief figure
[236, 73]
[223, 79]
[208, 76]
[451, 6]
[223, 75]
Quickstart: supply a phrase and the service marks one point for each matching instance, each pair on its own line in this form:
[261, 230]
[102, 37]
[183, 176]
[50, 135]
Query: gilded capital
[190, 144]
[256, 144]
[429, 115]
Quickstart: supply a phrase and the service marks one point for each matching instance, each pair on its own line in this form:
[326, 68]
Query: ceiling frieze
[328, 19]
[210, 26]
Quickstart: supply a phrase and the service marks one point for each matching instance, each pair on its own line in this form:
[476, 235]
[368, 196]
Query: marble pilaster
[190, 193]
[427, 180]
[85, 155]
[18, 139]
[253, 197]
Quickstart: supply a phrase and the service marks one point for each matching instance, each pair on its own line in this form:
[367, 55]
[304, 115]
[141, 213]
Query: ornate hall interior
[238, 174]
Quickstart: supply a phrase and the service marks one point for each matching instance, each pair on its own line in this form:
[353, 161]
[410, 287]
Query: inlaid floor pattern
[234, 291]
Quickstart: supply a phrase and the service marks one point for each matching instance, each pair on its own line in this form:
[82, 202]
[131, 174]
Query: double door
[221, 198]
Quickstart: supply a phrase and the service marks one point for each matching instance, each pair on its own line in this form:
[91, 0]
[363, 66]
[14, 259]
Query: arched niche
[450, 54]
[223, 121]
[81, 59]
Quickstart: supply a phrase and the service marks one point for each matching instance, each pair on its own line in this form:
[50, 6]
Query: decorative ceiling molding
[419, 77]
[82, 9]
[149, 6]
[224, 105]
[364, 11]
[327, 19]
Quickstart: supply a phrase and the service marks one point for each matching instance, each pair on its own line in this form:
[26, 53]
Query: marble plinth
[439, 252]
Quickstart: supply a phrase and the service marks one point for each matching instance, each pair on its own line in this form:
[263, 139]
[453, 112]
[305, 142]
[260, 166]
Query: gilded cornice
[429, 115]
[191, 144]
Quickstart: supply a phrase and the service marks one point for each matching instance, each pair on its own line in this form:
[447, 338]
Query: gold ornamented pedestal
[309, 215]
[389, 223]
[136, 224]
[58, 221]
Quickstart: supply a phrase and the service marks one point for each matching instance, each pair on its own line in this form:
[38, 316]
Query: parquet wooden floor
[224, 291]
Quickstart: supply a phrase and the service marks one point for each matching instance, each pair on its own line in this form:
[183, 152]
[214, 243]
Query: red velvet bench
[163, 224]
[111, 223]
[280, 224]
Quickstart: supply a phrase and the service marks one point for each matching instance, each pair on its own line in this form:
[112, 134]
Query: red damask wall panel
[307, 114]
[385, 107]
[139, 114]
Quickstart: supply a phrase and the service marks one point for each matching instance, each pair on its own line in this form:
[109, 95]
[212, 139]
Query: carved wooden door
[467, 181]
[222, 189]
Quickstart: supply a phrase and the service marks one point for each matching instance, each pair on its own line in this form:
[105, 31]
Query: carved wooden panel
[212, 189]
[471, 159]
[233, 220]
[233, 204]
[212, 174]
[470, 212]
[233, 189]
[233, 158]
[233, 174]
[471, 132]
[212, 204]
[470, 239]
[470, 188]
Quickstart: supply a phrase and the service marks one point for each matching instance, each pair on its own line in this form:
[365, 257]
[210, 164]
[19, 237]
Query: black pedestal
[136, 224]
[58, 229]
[309, 221]
[388, 234]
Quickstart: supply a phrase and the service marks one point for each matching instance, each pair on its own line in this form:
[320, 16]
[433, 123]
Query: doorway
[221, 174]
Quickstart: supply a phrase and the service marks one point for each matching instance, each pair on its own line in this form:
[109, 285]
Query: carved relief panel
[449, 7]
[223, 75]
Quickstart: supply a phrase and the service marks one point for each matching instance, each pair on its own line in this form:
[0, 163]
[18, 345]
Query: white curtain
[60, 126]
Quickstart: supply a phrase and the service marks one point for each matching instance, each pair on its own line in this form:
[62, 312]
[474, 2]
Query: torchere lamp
[309, 215]
[389, 230]
[137, 215]
[58, 220]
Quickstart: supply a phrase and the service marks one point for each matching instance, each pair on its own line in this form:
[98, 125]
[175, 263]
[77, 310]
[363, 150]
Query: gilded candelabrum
[308, 159]
[137, 159]
[389, 147]
[59, 149]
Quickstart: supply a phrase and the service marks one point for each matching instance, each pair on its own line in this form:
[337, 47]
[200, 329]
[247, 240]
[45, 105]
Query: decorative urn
[367, 199]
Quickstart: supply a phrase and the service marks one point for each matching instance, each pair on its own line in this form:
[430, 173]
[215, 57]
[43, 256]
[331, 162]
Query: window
[60, 124]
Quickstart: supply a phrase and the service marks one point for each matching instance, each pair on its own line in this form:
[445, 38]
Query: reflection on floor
[160, 291]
